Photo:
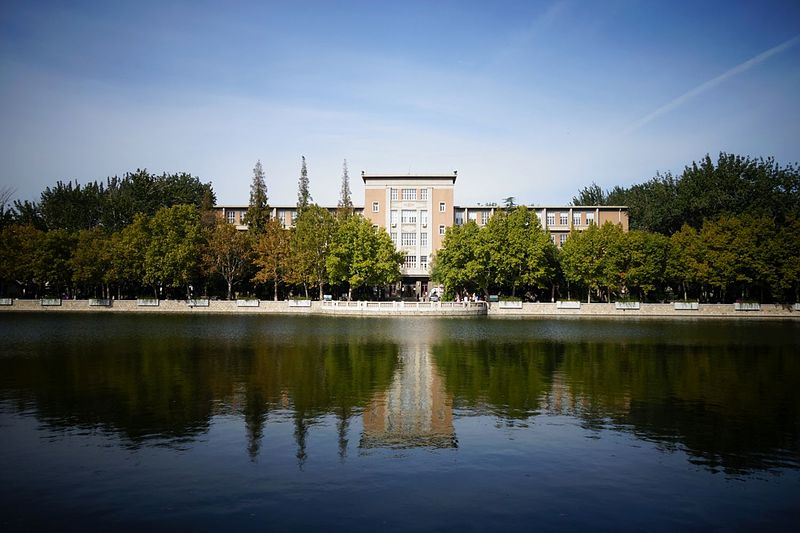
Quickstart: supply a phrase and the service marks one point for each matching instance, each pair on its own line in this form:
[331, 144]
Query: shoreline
[403, 309]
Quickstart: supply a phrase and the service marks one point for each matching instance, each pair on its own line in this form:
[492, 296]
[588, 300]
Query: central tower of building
[416, 211]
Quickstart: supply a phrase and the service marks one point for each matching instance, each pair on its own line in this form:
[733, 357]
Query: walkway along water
[360, 308]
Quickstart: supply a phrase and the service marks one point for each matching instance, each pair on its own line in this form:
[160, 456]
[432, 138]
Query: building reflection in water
[415, 411]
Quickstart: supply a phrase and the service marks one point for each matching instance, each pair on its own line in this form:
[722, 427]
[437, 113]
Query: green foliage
[18, 244]
[345, 204]
[271, 255]
[227, 253]
[303, 194]
[310, 239]
[174, 252]
[734, 185]
[92, 257]
[457, 265]
[360, 255]
[258, 211]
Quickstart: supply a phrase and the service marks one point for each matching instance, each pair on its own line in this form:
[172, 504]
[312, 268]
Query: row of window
[410, 261]
[563, 219]
[408, 194]
[376, 206]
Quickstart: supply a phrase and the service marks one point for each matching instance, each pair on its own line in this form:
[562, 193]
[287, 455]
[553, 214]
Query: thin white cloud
[710, 84]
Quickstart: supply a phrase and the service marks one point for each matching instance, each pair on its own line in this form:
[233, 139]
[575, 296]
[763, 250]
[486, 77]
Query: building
[417, 210]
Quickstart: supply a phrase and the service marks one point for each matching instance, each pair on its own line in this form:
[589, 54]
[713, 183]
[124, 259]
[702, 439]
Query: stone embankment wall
[646, 310]
[400, 309]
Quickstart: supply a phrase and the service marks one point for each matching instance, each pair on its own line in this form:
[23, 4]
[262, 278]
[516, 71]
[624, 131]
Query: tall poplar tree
[257, 214]
[345, 198]
[303, 195]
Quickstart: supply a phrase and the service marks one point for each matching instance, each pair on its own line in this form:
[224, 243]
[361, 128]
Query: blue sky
[526, 99]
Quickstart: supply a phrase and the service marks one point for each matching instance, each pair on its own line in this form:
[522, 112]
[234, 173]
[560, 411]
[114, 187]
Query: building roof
[411, 177]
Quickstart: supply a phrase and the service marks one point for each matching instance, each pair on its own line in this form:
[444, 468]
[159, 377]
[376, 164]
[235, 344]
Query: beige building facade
[417, 210]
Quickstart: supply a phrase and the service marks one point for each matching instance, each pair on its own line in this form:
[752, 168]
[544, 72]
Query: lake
[134, 421]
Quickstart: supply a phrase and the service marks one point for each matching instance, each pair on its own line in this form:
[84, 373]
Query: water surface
[253, 422]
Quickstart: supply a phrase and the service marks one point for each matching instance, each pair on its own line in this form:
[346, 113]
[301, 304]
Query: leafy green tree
[303, 194]
[228, 253]
[51, 261]
[311, 237]
[71, 207]
[646, 262]
[686, 262]
[174, 253]
[129, 251]
[18, 244]
[519, 253]
[591, 195]
[591, 258]
[91, 259]
[360, 255]
[258, 211]
[271, 255]
[457, 264]
[784, 252]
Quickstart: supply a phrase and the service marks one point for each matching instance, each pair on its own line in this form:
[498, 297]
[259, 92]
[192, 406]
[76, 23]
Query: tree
[646, 260]
[518, 252]
[6, 211]
[591, 258]
[258, 212]
[18, 243]
[91, 259]
[129, 248]
[457, 264]
[51, 261]
[361, 255]
[227, 253]
[591, 195]
[271, 255]
[303, 194]
[345, 201]
[174, 253]
[71, 207]
[309, 247]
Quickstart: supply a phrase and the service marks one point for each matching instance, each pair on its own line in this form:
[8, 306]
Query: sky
[527, 99]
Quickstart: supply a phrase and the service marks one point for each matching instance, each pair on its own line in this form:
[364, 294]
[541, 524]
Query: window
[423, 262]
[484, 217]
[410, 261]
[409, 194]
[394, 237]
[231, 216]
[590, 218]
[441, 229]
[551, 219]
[375, 207]
[423, 216]
[294, 217]
[576, 219]
[473, 216]
[408, 216]
[563, 238]
[553, 238]
[408, 239]
[441, 207]
[459, 218]
[562, 219]
[423, 239]
[423, 194]
[393, 194]
[393, 217]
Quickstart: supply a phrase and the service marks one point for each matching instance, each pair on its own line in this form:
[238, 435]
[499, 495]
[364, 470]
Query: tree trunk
[305, 289]
[320, 291]
[589, 295]
[349, 293]
[275, 297]
[230, 288]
